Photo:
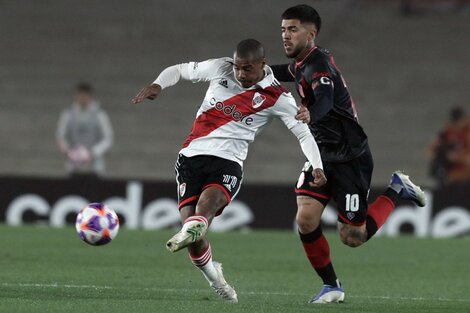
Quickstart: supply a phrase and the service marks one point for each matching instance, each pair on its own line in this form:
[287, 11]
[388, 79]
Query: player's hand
[148, 92]
[303, 114]
[319, 178]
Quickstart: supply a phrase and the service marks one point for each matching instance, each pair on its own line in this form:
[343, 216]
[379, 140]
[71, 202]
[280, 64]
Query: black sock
[317, 249]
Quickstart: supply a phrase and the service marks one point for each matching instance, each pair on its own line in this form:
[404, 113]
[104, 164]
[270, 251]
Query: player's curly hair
[304, 13]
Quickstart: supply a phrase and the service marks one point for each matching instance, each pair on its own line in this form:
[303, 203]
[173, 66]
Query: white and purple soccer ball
[97, 224]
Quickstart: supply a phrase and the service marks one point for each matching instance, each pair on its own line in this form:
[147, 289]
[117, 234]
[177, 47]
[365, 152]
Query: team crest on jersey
[258, 100]
[223, 82]
[182, 189]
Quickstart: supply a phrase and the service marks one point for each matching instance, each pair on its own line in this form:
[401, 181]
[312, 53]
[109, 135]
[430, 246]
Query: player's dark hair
[84, 87]
[250, 48]
[304, 13]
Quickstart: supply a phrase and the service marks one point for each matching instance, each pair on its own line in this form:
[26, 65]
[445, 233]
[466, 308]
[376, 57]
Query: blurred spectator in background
[84, 134]
[450, 150]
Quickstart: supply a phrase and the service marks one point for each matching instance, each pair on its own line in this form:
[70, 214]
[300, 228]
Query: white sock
[205, 264]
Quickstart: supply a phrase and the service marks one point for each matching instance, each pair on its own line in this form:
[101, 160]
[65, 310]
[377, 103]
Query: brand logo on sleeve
[223, 82]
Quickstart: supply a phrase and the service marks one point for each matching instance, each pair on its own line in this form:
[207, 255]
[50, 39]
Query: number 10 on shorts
[352, 202]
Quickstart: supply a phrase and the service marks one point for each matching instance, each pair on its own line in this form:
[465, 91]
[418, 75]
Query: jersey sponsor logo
[237, 108]
[258, 100]
[223, 82]
[231, 111]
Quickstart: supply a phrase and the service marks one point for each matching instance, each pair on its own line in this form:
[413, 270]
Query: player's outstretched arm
[168, 77]
[148, 92]
[193, 71]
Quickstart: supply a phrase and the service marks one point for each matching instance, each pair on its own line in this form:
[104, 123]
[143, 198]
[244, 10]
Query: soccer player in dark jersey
[345, 152]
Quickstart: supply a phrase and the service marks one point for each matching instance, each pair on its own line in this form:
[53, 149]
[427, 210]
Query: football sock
[196, 218]
[318, 253]
[379, 210]
[203, 261]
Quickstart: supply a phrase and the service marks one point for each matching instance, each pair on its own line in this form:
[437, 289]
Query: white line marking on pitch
[267, 293]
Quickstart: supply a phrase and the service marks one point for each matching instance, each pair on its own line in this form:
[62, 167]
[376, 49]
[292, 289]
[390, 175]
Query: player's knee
[308, 215]
[306, 223]
[351, 237]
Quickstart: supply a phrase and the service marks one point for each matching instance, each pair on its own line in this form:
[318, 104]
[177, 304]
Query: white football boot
[409, 191]
[329, 294]
[191, 232]
[221, 287]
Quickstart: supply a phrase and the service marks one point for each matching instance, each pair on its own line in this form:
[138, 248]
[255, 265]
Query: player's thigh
[212, 199]
[311, 201]
[222, 183]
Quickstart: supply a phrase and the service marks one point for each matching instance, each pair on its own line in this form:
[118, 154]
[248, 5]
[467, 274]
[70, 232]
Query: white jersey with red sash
[231, 116]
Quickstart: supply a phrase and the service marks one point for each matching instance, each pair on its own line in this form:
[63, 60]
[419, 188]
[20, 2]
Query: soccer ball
[97, 224]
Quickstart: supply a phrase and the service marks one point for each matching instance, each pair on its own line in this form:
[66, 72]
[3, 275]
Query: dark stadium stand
[403, 72]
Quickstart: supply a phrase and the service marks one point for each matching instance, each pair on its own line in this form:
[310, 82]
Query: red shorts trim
[186, 201]
[313, 194]
[346, 221]
[229, 197]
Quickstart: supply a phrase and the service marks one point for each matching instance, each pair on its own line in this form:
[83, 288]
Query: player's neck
[261, 77]
[304, 53]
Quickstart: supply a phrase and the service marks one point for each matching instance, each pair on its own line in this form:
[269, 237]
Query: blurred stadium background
[406, 64]
[404, 72]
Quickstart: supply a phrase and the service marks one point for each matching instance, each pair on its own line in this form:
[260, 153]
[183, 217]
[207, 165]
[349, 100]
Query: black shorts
[348, 184]
[194, 174]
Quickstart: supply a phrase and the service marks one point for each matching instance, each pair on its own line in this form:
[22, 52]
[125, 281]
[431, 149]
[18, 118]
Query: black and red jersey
[333, 115]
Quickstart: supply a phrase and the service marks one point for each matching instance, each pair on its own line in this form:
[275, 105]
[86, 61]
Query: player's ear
[312, 34]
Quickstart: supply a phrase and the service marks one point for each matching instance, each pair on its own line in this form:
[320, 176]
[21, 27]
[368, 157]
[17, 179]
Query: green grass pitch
[50, 270]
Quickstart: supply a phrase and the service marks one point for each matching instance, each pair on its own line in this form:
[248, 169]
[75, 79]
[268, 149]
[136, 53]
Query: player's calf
[352, 236]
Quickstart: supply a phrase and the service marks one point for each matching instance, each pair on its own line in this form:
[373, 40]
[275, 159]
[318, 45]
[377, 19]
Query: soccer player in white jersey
[243, 96]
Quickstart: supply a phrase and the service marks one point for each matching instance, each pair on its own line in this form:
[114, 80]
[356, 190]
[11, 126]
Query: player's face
[248, 71]
[296, 37]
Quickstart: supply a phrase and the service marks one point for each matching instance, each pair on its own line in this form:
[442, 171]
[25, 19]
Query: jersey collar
[267, 80]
